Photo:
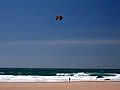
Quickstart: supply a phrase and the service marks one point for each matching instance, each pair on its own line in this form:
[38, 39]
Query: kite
[59, 19]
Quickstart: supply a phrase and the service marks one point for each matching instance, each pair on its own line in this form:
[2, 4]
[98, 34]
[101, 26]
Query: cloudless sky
[88, 38]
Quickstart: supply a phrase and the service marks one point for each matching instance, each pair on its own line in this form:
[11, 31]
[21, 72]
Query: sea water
[57, 75]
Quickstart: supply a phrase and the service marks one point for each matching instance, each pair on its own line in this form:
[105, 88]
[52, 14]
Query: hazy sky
[88, 38]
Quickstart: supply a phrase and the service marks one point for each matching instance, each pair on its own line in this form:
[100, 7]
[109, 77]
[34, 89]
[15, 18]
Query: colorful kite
[59, 19]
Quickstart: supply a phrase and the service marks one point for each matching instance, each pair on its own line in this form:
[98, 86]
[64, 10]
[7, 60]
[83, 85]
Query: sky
[30, 37]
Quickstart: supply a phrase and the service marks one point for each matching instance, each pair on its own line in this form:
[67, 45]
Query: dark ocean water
[54, 71]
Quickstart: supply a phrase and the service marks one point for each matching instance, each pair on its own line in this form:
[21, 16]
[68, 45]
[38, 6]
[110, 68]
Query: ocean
[57, 75]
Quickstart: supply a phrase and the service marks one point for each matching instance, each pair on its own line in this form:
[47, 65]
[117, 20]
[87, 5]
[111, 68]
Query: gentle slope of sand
[61, 86]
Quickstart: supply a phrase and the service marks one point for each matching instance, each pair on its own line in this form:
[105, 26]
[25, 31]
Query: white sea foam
[72, 74]
[76, 77]
[81, 74]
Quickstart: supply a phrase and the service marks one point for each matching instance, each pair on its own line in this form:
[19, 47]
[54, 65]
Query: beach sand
[61, 86]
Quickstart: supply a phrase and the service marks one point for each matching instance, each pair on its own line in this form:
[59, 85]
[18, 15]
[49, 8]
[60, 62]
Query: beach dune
[61, 86]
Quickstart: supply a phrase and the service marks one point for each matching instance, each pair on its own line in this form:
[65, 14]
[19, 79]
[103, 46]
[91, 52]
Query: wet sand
[61, 86]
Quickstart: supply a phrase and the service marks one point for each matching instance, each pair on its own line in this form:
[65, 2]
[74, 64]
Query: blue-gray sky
[88, 38]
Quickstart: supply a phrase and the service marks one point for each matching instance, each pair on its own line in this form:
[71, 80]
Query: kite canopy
[59, 18]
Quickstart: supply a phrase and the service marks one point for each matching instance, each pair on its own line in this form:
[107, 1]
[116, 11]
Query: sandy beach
[61, 86]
